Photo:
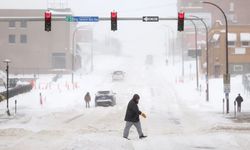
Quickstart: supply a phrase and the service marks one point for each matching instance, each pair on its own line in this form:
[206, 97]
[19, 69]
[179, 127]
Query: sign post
[226, 81]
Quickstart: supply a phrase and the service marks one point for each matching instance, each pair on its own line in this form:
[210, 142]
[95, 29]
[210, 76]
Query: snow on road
[177, 115]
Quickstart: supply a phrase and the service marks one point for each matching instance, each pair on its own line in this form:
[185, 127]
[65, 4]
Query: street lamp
[7, 61]
[73, 51]
[226, 41]
[196, 55]
[207, 91]
[172, 44]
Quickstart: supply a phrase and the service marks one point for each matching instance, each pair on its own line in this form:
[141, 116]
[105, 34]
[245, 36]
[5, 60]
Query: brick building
[238, 26]
[238, 50]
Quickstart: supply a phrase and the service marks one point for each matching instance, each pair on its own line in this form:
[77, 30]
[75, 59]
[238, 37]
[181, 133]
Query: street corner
[242, 117]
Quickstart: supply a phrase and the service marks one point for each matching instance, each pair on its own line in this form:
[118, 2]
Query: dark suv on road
[105, 98]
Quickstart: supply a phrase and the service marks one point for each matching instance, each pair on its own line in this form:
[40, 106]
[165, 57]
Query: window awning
[232, 37]
[245, 37]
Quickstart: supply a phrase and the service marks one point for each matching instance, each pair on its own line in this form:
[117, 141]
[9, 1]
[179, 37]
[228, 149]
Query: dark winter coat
[133, 112]
[239, 100]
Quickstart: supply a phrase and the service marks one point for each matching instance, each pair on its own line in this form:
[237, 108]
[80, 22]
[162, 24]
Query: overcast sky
[149, 35]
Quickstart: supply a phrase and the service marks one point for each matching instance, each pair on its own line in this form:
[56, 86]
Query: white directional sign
[150, 18]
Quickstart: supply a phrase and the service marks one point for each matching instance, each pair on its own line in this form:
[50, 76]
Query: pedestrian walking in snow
[87, 99]
[132, 117]
[239, 100]
[41, 98]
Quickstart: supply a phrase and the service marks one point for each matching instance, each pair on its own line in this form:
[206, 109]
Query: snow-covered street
[178, 117]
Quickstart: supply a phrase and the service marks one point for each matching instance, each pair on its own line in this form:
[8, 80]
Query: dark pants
[87, 104]
[239, 107]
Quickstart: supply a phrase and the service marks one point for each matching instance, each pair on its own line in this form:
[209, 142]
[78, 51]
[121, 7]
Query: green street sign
[82, 18]
[69, 19]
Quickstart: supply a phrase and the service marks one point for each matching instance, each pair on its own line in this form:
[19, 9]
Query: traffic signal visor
[181, 21]
[47, 20]
[113, 21]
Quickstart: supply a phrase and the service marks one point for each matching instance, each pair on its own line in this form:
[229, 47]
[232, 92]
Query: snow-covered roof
[244, 36]
[232, 36]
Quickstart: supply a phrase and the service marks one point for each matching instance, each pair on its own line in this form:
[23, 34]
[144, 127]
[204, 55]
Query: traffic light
[181, 21]
[47, 20]
[113, 21]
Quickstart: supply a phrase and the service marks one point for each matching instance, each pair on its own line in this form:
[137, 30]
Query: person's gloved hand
[143, 115]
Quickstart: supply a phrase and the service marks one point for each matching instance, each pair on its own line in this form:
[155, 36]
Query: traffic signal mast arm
[62, 18]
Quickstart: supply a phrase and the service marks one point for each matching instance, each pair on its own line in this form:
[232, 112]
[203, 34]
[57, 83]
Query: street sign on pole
[226, 81]
[226, 88]
[82, 18]
[150, 18]
[226, 78]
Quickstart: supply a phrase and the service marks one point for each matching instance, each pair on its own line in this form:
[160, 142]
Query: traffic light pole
[226, 41]
[7, 61]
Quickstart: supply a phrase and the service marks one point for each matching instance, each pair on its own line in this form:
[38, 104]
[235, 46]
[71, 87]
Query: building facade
[33, 50]
[238, 26]
[238, 50]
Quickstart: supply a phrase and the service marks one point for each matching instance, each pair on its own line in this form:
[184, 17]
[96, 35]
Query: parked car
[105, 98]
[118, 75]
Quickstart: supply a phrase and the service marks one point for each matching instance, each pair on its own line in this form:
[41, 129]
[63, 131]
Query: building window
[231, 7]
[23, 24]
[240, 51]
[23, 38]
[238, 68]
[12, 38]
[245, 44]
[245, 39]
[58, 61]
[12, 24]
[231, 43]
[232, 38]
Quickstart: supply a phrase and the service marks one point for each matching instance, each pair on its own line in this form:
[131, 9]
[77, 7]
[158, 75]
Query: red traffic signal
[113, 21]
[181, 21]
[47, 20]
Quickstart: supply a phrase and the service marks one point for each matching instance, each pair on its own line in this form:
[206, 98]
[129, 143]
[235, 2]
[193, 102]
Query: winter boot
[142, 136]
